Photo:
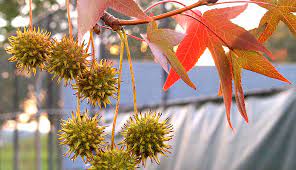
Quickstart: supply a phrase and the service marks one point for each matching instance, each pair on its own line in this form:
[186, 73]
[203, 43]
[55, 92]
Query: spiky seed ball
[30, 49]
[82, 134]
[146, 135]
[68, 60]
[114, 159]
[98, 84]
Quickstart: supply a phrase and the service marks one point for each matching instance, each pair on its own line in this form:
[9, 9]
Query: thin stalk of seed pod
[118, 90]
[93, 51]
[69, 20]
[78, 104]
[31, 15]
[88, 44]
[129, 58]
[130, 35]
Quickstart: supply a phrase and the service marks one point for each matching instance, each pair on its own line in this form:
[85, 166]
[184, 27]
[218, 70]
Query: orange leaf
[281, 10]
[224, 69]
[217, 23]
[232, 35]
[256, 62]
[239, 92]
[189, 50]
[215, 30]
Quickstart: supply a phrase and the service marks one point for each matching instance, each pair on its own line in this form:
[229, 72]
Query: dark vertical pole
[15, 133]
[37, 144]
[37, 133]
[50, 117]
[59, 147]
[50, 105]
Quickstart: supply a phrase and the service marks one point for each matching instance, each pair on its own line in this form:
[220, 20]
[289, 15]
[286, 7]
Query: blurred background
[31, 107]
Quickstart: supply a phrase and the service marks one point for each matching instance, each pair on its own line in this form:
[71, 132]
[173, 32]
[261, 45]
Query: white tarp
[203, 140]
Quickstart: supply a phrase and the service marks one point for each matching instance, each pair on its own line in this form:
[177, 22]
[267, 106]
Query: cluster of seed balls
[145, 135]
[67, 60]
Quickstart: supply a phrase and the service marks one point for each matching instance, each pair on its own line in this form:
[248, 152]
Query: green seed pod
[98, 84]
[115, 159]
[68, 60]
[145, 135]
[82, 135]
[30, 49]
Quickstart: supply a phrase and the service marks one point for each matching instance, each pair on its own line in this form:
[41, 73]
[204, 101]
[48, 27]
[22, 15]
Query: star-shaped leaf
[252, 61]
[278, 10]
[214, 30]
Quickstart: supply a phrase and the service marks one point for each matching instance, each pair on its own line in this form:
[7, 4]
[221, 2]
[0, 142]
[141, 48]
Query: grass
[27, 154]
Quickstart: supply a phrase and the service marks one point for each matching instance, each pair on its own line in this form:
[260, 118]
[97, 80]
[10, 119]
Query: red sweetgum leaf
[224, 70]
[239, 92]
[190, 49]
[215, 30]
[233, 36]
[252, 61]
[256, 62]
[216, 22]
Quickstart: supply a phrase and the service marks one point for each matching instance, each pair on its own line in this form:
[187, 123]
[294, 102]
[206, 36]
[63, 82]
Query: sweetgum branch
[116, 23]
[111, 21]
